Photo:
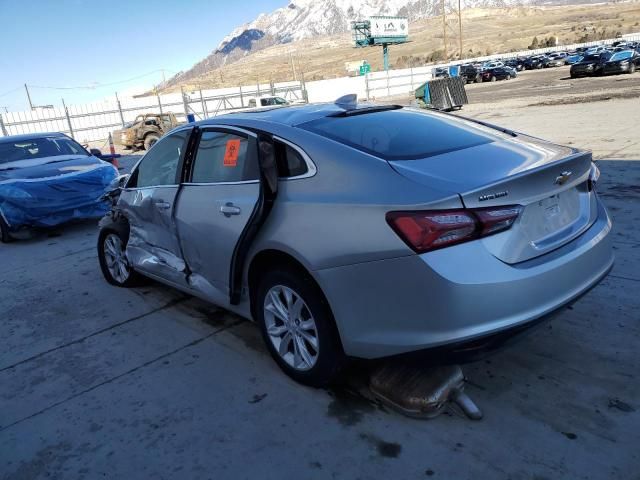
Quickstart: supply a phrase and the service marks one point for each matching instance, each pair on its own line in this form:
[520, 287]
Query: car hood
[48, 167]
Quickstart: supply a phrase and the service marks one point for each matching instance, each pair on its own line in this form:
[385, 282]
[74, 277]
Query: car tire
[124, 276]
[307, 348]
[5, 236]
[632, 68]
[149, 140]
[493, 78]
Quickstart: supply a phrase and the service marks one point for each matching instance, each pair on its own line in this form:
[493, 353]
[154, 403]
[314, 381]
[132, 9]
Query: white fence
[94, 121]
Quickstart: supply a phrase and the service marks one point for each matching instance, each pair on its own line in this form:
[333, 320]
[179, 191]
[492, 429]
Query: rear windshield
[621, 55]
[401, 134]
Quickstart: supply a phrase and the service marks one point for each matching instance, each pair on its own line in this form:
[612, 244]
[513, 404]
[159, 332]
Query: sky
[115, 46]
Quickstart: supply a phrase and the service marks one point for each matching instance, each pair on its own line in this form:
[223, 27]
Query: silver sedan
[357, 230]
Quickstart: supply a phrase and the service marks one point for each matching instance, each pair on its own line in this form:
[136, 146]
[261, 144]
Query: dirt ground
[486, 31]
[101, 382]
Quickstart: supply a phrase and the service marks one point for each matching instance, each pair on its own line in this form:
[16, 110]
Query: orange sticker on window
[231, 153]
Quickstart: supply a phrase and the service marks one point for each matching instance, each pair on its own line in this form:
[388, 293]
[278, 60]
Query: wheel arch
[266, 259]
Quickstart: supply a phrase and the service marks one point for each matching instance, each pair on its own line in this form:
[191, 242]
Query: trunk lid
[549, 181]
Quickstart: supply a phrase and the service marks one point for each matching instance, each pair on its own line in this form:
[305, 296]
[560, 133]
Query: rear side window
[290, 161]
[401, 134]
[223, 157]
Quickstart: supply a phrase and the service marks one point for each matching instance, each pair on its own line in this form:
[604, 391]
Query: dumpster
[442, 94]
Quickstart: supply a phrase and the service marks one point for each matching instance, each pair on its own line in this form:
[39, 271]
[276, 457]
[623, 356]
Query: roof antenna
[348, 102]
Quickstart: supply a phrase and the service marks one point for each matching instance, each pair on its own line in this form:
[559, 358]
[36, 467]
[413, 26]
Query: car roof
[290, 115]
[30, 136]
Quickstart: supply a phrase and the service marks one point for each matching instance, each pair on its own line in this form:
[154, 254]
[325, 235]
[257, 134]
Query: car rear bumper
[458, 294]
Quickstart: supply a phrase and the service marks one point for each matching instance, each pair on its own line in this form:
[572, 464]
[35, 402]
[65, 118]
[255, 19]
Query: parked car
[145, 130]
[626, 61]
[534, 62]
[441, 72]
[515, 63]
[572, 59]
[589, 65]
[470, 74]
[554, 60]
[267, 101]
[492, 64]
[47, 179]
[498, 73]
[359, 230]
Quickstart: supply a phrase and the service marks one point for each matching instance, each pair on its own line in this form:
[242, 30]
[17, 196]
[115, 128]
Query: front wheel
[113, 260]
[150, 140]
[298, 327]
[493, 78]
[632, 68]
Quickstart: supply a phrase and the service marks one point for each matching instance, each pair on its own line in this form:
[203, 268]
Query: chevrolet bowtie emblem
[563, 178]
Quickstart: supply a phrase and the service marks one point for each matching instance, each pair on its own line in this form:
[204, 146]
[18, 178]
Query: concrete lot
[100, 382]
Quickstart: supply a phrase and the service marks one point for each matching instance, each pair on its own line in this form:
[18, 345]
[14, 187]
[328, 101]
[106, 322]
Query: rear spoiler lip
[559, 163]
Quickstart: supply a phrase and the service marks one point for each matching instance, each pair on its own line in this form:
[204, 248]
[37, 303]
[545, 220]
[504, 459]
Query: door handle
[229, 209]
[163, 205]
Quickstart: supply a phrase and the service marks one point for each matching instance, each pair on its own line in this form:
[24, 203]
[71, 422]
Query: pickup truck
[145, 130]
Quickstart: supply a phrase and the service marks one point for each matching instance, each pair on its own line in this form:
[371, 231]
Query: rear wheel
[298, 327]
[632, 68]
[150, 140]
[493, 78]
[113, 260]
[5, 236]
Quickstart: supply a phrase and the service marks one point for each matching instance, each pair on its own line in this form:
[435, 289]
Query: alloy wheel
[291, 328]
[115, 258]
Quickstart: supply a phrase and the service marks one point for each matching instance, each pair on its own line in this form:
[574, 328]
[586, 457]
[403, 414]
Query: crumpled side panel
[55, 200]
[153, 244]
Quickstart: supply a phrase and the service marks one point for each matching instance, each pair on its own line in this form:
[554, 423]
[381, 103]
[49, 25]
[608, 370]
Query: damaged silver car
[355, 230]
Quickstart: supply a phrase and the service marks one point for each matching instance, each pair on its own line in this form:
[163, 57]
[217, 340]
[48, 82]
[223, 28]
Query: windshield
[39, 148]
[621, 55]
[401, 134]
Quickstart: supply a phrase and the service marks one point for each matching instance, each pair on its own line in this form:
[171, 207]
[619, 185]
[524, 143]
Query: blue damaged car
[47, 179]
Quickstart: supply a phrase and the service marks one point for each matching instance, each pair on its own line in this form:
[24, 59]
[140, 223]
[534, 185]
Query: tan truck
[145, 130]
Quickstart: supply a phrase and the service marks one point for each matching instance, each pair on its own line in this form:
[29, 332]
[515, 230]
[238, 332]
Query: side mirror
[95, 152]
[119, 182]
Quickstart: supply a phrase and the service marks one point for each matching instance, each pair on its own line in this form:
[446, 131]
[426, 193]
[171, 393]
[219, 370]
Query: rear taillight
[429, 230]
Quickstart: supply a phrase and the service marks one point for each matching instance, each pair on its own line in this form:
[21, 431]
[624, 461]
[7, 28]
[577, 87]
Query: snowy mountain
[307, 18]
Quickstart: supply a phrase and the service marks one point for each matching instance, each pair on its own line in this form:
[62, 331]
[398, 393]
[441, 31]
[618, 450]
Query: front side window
[224, 157]
[160, 166]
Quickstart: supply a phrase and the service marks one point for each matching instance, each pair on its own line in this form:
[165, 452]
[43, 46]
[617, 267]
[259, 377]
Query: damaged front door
[148, 202]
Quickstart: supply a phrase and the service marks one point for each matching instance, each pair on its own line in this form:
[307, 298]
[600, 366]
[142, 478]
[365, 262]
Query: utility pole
[28, 96]
[444, 31]
[293, 65]
[460, 25]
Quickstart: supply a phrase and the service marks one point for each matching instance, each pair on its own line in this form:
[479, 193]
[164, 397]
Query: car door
[148, 202]
[219, 199]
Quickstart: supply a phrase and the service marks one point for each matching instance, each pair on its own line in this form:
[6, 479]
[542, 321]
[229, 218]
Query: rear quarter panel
[337, 217]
